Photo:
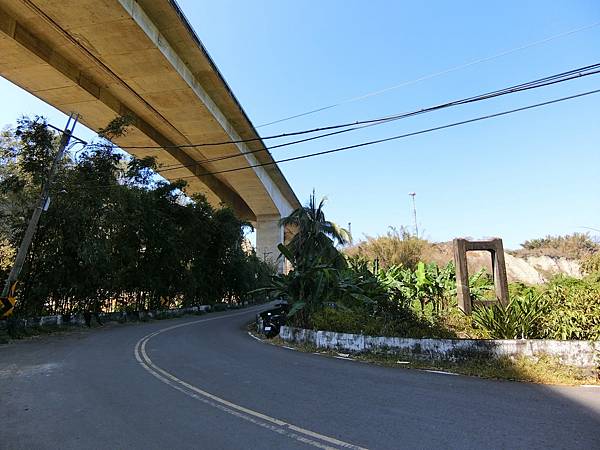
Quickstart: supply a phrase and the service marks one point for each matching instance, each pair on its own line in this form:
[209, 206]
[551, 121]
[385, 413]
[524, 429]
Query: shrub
[410, 298]
[573, 309]
[339, 320]
[403, 322]
[565, 308]
[571, 246]
[591, 264]
[519, 319]
[397, 247]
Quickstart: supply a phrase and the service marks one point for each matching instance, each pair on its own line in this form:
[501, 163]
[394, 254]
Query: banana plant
[422, 284]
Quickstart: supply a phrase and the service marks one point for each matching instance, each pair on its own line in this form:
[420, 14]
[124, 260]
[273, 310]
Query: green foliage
[316, 278]
[7, 255]
[114, 236]
[519, 319]
[432, 285]
[117, 127]
[36, 149]
[404, 323]
[591, 264]
[307, 288]
[328, 291]
[339, 320]
[565, 308]
[481, 285]
[573, 310]
[419, 301]
[23, 167]
[367, 304]
[315, 237]
[325, 289]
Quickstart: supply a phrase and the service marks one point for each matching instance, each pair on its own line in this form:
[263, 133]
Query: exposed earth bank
[524, 269]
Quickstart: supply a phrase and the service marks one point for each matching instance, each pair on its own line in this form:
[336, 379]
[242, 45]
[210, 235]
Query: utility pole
[7, 299]
[413, 194]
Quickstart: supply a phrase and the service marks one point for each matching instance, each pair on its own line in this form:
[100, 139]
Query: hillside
[526, 269]
[536, 262]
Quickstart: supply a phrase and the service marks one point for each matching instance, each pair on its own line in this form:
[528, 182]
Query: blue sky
[517, 177]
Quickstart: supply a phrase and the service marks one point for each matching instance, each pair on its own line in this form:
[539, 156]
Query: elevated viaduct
[105, 58]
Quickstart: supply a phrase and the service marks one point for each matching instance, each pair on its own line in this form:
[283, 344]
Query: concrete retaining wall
[585, 354]
[79, 320]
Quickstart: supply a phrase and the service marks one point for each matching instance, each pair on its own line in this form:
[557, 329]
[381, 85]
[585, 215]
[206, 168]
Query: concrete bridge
[104, 58]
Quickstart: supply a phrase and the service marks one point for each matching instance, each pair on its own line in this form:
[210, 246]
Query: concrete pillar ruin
[495, 247]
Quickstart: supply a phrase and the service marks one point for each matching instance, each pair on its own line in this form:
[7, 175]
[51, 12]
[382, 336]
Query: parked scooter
[269, 322]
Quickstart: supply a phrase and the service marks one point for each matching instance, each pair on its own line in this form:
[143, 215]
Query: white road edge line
[254, 337]
[260, 419]
[442, 372]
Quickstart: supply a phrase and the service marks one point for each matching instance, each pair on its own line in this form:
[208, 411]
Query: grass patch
[545, 370]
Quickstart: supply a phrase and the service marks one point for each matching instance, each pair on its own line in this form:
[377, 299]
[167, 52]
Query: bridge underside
[105, 58]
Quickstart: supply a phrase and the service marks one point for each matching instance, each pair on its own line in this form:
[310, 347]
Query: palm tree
[315, 237]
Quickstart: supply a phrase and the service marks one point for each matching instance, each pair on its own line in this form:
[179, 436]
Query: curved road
[203, 382]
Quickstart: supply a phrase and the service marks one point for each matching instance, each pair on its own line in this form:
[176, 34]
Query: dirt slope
[529, 269]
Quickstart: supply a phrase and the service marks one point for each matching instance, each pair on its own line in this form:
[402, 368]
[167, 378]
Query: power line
[379, 141]
[433, 75]
[348, 124]
[267, 149]
[545, 81]
[542, 82]
[400, 136]
[61, 131]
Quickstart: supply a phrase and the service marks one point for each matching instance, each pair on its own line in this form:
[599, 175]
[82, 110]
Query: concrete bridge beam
[141, 58]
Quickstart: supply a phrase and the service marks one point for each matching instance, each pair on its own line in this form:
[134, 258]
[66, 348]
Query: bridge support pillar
[269, 234]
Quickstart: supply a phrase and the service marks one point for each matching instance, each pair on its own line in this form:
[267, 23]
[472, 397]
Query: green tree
[317, 263]
[115, 236]
[315, 237]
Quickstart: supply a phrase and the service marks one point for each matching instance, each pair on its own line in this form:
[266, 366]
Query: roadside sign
[7, 304]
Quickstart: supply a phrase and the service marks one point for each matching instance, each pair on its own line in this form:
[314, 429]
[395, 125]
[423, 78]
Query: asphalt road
[204, 383]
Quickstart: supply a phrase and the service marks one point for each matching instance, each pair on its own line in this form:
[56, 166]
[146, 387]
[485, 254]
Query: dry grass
[397, 247]
[571, 246]
[400, 248]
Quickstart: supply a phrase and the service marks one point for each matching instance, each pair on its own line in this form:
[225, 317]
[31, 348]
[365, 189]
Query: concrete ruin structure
[109, 58]
[461, 246]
